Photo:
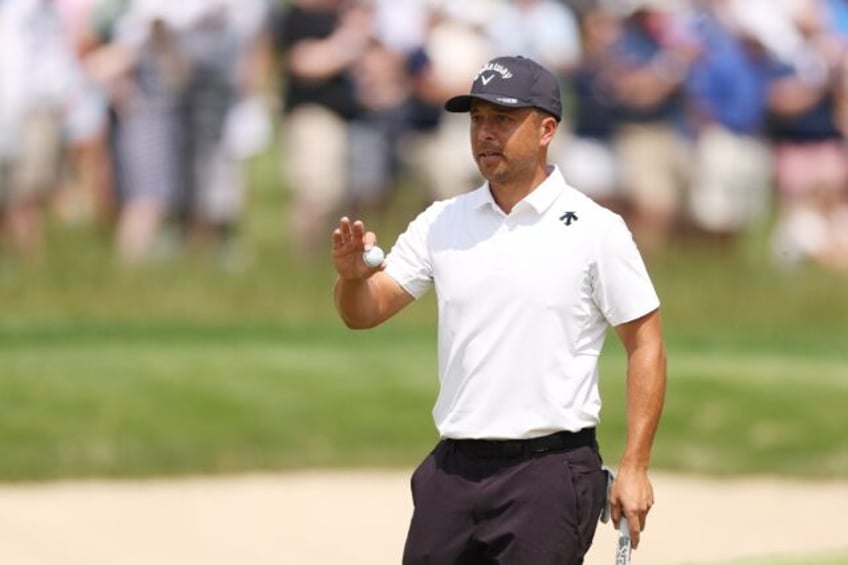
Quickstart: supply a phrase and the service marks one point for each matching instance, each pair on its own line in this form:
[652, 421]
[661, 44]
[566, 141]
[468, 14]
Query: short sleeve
[408, 262]
[622, 288]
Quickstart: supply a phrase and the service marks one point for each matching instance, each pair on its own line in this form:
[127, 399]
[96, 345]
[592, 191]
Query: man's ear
[549, 127]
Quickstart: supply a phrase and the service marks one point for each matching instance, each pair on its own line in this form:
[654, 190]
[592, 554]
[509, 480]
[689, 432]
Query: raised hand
[349, 241]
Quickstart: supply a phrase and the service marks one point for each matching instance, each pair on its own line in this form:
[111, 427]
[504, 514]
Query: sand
[361, 518]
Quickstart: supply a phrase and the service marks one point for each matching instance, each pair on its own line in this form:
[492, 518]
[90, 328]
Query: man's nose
[484, 130]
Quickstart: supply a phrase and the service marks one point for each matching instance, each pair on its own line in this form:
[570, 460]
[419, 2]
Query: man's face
[506, 142]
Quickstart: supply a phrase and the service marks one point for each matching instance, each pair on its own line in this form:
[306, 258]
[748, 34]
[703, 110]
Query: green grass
[186, 401]
[135, 401]
[183, 367]
[746, 413]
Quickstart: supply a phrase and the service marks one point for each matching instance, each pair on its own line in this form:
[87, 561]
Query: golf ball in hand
[373, 257]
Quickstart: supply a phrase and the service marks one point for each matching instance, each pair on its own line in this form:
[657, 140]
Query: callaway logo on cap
[516, 82]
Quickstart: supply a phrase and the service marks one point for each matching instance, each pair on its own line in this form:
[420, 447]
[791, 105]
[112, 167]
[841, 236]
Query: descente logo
[494, 68]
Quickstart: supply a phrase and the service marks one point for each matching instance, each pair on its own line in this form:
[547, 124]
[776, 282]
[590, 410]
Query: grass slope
[130, 401]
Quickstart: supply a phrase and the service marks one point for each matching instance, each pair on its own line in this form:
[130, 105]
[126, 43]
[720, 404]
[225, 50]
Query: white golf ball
[373, 257]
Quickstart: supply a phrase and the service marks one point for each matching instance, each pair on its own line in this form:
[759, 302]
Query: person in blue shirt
[727, 92]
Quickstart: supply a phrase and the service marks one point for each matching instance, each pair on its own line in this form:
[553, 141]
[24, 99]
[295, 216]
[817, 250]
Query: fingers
[636, 520]
[349, 242]
[353, 233]
[636, 514]
[337, 238]
[635, 526]
[345, 230]
[635, 523]
[615, 513]
[369, 240]
[357, 230]
[339, 233]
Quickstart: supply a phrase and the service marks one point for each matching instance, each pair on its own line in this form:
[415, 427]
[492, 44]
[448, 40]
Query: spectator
[453, 50]
[318, 42]
[807, 98]
[650, 66]
[220, 101]
[39, 77]
[588, 159]
[727, 97]
[544, 30]
[150, 77]
[397, 109]
[659, 126]
[384, 96]
[86, 192]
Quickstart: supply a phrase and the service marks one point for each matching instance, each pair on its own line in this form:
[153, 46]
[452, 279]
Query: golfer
[529, 275]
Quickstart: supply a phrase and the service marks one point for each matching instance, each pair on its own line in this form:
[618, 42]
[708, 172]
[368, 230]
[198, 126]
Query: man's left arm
[632, 493]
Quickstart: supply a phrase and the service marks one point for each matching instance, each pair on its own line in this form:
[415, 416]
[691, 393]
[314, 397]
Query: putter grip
[622, 554]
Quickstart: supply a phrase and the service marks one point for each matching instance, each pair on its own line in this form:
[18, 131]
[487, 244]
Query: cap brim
[462, 103]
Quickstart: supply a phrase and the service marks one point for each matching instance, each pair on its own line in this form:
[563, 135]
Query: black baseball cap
[514, 82]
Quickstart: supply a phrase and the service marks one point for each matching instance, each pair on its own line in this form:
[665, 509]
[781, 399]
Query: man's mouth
[489, 153]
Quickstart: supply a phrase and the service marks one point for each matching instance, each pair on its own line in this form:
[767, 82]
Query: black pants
[523, 508]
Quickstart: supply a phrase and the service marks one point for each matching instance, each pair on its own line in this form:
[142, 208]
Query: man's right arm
[365, 297]
[365, 303]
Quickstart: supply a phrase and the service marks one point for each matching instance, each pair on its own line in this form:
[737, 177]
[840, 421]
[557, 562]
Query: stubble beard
[507, 172]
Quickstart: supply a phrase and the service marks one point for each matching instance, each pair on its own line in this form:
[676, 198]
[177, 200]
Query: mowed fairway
[119, 403]
[81, 401]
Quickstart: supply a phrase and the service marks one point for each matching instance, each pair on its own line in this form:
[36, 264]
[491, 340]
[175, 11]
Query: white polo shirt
[524, 304]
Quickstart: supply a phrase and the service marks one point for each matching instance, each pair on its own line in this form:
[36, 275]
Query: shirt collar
[539, 199]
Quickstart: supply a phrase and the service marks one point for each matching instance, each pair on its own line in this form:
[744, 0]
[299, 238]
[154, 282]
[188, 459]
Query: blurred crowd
[706, 118]
[138, 114]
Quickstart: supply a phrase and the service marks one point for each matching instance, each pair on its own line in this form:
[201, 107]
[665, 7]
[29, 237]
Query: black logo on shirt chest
[568, 217]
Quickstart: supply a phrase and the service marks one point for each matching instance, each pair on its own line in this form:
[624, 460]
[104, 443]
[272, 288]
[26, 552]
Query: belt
[510, 448]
